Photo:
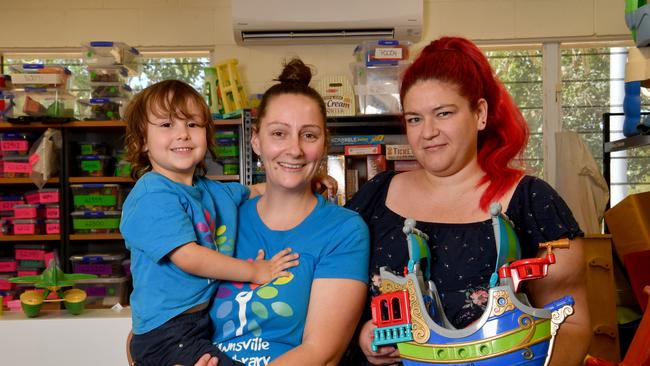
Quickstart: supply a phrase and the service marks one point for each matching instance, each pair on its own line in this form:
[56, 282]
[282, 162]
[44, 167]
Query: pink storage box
[7, 265]
[15, 143]
[5, 285]
[15, 167]
[47, 195]
[27, 211]
[52, 227]
[52, 212]
[31, 252]
[29, 227]
[28, 271]
[7, 203]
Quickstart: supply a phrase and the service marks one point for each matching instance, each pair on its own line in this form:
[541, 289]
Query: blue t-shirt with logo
[256, 324]
[158, 216]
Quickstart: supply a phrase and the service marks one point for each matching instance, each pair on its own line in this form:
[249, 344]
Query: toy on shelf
[52, 280]
[231, 90]
[409, 311]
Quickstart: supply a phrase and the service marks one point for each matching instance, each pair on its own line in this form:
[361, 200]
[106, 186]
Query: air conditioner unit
[332, 21]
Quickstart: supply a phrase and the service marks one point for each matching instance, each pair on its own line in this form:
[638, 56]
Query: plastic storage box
[27, 211]
[15, 143]
[103, 265]
[15, 167]
[7, 202]
[32, 252]
[95, 165]
[377, 88]
[95, 222]
[39, 75]
[52, 226]
[101, 53]
[96, 197]
[108, 74]
[110, 90]
[105, 292]
[382, 52]
[102, 109]
[43, 102]
[28, 227]
[46, 195]
[92, 148]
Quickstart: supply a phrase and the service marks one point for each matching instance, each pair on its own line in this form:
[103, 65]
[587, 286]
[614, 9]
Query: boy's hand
[325, 185]
[265, 271]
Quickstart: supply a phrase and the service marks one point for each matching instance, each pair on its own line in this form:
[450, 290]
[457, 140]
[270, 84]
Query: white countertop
[95, 337]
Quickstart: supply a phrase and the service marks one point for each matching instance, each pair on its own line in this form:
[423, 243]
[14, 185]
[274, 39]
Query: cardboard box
[399, 152]
[336, 170]
[629, 224]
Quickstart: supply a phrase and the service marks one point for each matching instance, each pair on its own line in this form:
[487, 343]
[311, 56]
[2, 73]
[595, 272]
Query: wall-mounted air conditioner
[331, 21]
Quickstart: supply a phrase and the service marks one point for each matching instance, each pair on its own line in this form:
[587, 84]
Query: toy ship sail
[409, 312]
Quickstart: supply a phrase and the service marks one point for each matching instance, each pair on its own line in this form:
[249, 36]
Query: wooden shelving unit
[100, 180]
[111, 236]
[12, 238]
[24, 180]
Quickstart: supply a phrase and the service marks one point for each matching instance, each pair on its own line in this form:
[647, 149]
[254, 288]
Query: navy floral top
[464, 255]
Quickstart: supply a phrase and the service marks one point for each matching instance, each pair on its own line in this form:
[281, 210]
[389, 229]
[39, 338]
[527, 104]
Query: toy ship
[409, 312]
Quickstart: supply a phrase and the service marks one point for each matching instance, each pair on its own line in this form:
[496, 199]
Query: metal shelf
[627, 143]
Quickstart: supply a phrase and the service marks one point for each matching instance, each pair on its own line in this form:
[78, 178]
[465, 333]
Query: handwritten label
[91, 165]
[85, 224]
[94, 200]
[24, 229]
[14, 145]
[25, 168]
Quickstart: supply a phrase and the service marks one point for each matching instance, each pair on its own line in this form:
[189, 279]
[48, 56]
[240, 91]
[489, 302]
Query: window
[156, 66]
[521, 74]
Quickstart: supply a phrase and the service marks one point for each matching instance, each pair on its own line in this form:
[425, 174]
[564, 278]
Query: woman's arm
[566, 277]
[335, 306]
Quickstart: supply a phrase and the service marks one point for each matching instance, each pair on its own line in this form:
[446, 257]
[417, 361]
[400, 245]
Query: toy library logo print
[256, 344]
[252, 304]
[216, 236]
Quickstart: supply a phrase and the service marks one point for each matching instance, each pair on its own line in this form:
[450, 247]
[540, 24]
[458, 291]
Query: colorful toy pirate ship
[409, 312]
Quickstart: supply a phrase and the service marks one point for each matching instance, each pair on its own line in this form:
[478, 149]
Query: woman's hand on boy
[267, 270]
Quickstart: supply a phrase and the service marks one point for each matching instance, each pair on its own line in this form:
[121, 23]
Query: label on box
[10, 167]
[91, 165]
[52, 212]
[25, 213]
[29, 254]
[9, 266]
[362, 149]
[98, 269]
[86, 149]
[42, 197]
[94, 200]
[96, 290]
[24, 229]
[34, 158]
[399, 152]
[357, 140]
[53, 228]
[388, 53]
[15, 145]
[9, 205]
[85, 224]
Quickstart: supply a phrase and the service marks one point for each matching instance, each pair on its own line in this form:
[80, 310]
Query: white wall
[191, 23]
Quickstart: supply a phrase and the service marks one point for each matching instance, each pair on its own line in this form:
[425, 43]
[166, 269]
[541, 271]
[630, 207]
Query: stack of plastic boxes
[97, 211]
[377, 74]
[29, 260]
[6, 97]
[41, 94]
[227, 151]
[109, 66]
[94, 159]
[14, 154]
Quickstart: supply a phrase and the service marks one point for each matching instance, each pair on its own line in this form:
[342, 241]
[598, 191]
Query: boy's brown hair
[168, 98]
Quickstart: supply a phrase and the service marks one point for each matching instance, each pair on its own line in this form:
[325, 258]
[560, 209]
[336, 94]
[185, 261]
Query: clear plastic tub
[15, 143]
[15, 167]
[101, 264]
[43, 103]
[110, 90]
[39, 75]
[95, 165]
[105, 292]
[95, 222]
[106, 53]
[102, 109]
[108, 74]
[96, 197]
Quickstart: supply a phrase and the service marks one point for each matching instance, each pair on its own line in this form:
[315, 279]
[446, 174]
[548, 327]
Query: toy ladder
[233, 95]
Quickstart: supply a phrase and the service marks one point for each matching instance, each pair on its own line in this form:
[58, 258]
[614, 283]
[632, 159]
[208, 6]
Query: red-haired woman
[466, 131]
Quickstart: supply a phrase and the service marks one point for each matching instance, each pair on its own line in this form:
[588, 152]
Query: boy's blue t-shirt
[158, 216]
[256, 324]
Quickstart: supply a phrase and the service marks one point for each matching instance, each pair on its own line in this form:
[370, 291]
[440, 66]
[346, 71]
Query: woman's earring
[259, 164]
